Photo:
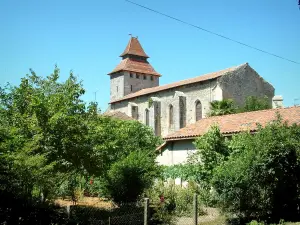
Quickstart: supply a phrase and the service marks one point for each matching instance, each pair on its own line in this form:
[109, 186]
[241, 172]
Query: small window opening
[151, 77]
[131, 75]
[137, 76]
[130, 87]
[145, 77]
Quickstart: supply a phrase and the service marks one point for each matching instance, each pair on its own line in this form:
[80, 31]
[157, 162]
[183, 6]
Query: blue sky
[88, 36]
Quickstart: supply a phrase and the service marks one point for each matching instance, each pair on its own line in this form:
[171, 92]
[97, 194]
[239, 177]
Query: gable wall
[243, 83]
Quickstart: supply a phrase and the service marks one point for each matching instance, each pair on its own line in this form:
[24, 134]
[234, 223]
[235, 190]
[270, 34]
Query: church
[135, 91]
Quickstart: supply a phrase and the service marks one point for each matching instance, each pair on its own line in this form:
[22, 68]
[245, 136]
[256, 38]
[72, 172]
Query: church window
[137, 76]
[198, 110]
[145, 77]
[151, 77]
[171, 116]
[147, 117]
[182, 112]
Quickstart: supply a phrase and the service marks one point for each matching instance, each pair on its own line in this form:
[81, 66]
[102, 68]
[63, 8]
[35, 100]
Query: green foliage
[187, 172]
[262, 175]
[223, 107]
[51, 142]
[227, 106]
[177, 200]
[211, 151]
[128, 178]
[254, 103]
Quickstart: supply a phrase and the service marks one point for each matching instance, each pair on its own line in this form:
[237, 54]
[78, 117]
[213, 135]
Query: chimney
[277, 102]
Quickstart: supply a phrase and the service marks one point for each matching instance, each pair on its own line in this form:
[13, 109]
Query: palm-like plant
[223, 107]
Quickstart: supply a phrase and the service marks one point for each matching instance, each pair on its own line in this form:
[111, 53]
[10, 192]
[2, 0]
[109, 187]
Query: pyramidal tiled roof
[135, 65]
[235, 123]
[205, 77]
[135, 60]
[134, 48]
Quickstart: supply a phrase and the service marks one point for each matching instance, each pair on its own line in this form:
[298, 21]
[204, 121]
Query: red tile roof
[134, 48]
[234, 123]
[134, 65]
[118, 115]
[180, 83]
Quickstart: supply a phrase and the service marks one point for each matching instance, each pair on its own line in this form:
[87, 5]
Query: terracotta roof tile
[134, 48]
[180, 83]
[235, 123]
[118, 115]
[134, 65]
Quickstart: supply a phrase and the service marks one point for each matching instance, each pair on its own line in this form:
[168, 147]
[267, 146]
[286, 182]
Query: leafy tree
[211, 151]
[254, 103]
[261, 177]
[114, 139]
[223, 107]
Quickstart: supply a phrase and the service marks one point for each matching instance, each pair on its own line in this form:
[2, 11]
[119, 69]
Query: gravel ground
[212, 214]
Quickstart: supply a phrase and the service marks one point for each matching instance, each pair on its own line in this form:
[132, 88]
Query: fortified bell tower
[133, 73]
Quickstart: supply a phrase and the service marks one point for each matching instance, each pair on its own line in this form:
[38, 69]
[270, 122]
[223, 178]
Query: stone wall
[136, 82]
[191, 93]
[243, 83]
[116, 86]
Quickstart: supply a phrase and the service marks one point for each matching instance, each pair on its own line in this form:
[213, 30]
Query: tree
[254, 103]
[211, 151]
[261, 178]
[48, 134]
[223, 107]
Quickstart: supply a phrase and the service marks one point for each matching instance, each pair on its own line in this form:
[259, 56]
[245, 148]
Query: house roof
[135, 65]
[235, 123]
[197, 79]
[117, 115]
[134, 48]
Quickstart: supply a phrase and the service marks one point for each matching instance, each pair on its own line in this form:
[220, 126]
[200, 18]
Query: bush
[128, 178]
[261, 178]
[177, 200]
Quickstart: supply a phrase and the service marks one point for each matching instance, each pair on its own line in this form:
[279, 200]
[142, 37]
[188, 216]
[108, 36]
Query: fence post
[146, 211]
[68, 209]
[195, 209]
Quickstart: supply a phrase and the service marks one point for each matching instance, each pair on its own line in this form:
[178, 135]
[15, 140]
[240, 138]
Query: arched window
[198, 110]
[171, 116]
[147, 117]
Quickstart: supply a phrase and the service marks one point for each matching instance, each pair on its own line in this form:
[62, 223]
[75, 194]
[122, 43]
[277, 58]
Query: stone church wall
[237, 85]
[193, 92]
[243, 83]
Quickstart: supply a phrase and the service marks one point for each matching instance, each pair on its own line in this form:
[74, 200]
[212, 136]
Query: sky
[88, 36]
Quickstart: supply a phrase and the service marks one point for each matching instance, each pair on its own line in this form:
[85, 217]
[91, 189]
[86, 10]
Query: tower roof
[134, 48]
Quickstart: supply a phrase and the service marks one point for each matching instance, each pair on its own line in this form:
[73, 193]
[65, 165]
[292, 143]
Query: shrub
[261, 178]
[128, 178]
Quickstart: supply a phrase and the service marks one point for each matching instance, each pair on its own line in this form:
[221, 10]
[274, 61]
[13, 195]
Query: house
[135, 91]
[179, 144]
